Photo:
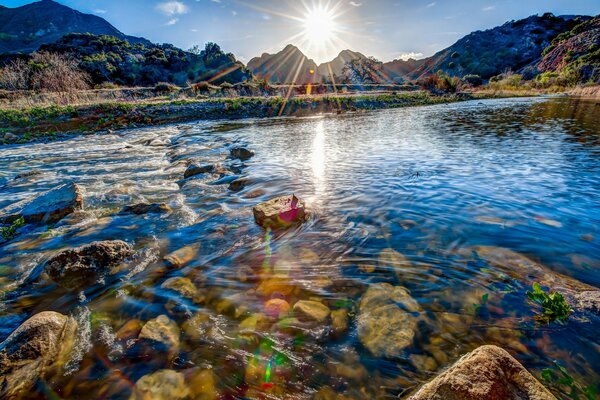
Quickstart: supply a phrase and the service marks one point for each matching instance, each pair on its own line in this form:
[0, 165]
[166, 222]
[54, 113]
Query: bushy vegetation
[554, 304]
[109, 59]
[440, 83]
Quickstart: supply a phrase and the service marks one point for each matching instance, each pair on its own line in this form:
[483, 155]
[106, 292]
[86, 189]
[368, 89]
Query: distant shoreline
[53, 122]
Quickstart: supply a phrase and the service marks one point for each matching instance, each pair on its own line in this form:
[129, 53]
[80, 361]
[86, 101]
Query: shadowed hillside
[288, 66]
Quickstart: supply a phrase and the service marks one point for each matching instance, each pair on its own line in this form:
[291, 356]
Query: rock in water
[48, 207]
[280, 212]
[588, 301]
[161, 385]
[145, 208]
[196, 169]
[307, 310]
[38, 349]
[386, 320]
[162, 331]
[77, 268]
[487, 373]
[242, 153]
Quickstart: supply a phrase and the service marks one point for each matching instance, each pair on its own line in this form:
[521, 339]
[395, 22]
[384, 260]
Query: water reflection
[318, 162]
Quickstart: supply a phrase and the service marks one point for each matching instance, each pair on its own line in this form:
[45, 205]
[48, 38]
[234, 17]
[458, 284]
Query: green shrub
[554, 304]
[455, 55]
[474, 80]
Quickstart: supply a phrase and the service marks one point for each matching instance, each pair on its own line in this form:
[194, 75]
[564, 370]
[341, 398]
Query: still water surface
[432, 183]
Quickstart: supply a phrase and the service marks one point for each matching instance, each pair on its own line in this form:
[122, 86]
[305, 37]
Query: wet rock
[202, 384]
[181, 257]
[198, 326]
[183, 286]
[487, 373]
[130, 330]
[255, 323]
[280, 212]
[10, 137]
[386, 324]
[308, 310]
[161, 330]
[238, 184]
[277, 284]
[48, 207]
[276, 308]
[29, 174]
[146, 208]
[196, 168]
[339, 322]
[38, 349]
[161, 385]
[86, 265]
[241, 153]
[588, 301]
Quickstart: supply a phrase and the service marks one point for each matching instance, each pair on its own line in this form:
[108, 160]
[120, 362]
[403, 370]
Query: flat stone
[181, 285]
[161, 385]
[86, 265]
[146, 208]
[487, 373]
[182, 256]
[196, 168]
[38, 348]
[48, 207]
[241, 153]
[386, 320]
[161, 330]
[311, 310]
[280, 212]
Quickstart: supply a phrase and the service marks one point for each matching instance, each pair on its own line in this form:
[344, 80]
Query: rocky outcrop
[195, 168]
[48, 207]
[38, 349]
[386, 320]
[280, 212]
[86, 265]
[487, 373]
[146, 208]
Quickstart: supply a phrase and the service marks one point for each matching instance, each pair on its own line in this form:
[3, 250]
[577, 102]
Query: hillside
[336, 65]
[575, 55]
[24, 29]
[511, 46]
[398, 69]
[290, 65]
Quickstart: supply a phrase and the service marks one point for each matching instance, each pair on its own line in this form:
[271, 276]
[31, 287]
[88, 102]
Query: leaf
[537, 288]
[548, 375]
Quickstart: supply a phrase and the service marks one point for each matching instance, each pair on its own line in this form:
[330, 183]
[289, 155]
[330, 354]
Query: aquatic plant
[9, 232]
[559, 378]
[555, 306]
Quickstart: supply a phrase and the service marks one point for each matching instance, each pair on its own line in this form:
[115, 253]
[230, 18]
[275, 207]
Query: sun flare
[319, 25]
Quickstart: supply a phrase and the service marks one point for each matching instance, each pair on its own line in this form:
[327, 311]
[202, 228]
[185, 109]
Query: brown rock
[37, 349]
[49, 207]
[588, 301]
[183, 286]
[276, 308]
[181, 257]
[487, 373]
[196, 169]
[161, 385]
[308, 310]
[82, 266]
[280, 212]
[161, 330]
[145, 208]
[242, 153]
[339, 322]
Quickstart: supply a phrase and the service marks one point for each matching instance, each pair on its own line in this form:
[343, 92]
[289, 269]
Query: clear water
[430, 182]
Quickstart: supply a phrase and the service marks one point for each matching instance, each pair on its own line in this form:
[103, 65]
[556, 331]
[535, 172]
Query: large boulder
[280, 212]
[487, 373]
[38, 349]
[86, 265]
[48, 207]
[387, 319]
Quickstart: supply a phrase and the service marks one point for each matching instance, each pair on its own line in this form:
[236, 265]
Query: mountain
[24, 29]
[290, 65]
[398, 69]
[336, 66]
[511, 46]
[575, 55]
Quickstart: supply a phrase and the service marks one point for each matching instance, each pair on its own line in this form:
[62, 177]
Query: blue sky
[386, 29]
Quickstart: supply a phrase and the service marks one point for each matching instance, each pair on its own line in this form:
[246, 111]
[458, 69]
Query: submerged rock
[386, 320]
[181, 285]
[196, 168]
[38, 349]
[48, 207]
[238, 184]
[82, 266]
[182, 256]
[313, 311]
[146, 208]
[161, 330]
[280, 212]
[487, 373]
[161, 385]
[242, 153]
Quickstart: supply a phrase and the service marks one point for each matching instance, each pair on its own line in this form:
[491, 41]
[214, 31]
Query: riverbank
[50, 123]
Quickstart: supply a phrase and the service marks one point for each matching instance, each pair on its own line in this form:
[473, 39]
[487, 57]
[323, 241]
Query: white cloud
[355, 4]
[412, 54]
[171, 8]
[488, 8]
[431, 5]
[216, 1]
[234, 13]
[99, 11]
[172, 21]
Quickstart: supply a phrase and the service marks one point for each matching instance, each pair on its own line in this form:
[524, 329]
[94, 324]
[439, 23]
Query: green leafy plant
[555, 306]
[9, 232]
[559, 378]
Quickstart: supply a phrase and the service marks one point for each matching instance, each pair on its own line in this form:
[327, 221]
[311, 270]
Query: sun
[319, 25]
